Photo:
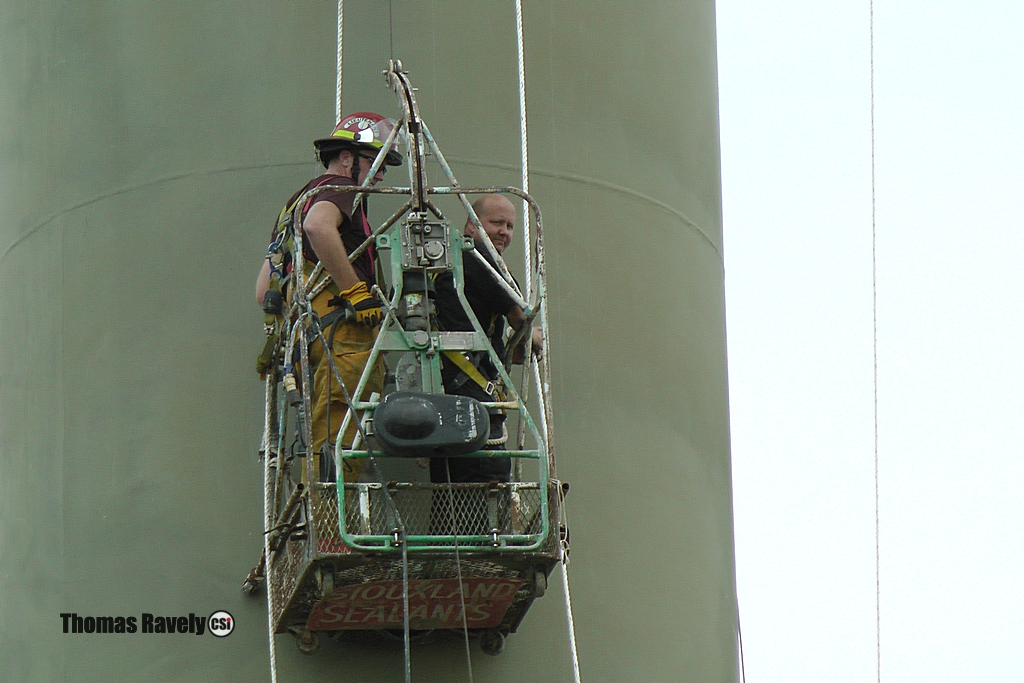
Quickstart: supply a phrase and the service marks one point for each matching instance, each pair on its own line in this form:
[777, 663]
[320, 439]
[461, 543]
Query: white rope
[568, 616]
[528, 267]
[268, 502]
[526, 211]
[337, 91]
[542, 413]
[874, 346]
[458, 568]
[523, 144]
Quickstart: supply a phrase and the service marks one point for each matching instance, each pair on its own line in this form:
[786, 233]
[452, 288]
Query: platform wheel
[540, 584]
[307, 641]
[326, 580]
[492, 642]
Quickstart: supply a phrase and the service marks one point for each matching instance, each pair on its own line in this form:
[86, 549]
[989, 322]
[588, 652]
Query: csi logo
[221, 624]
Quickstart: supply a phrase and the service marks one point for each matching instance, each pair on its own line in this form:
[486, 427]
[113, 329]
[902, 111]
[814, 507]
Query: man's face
[498, 219]
[365, 162]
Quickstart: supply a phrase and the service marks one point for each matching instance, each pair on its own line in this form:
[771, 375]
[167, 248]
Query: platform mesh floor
[429, 510]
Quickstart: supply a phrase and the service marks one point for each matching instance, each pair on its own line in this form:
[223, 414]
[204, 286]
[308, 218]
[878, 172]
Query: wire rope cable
[572, 628]
[524, 151]
[340, 68]
[391, 31]
[524, 155]
[523, 141]
[451, 512]
[874, 349]
[267, 521]
[458, 568]
[563, 561]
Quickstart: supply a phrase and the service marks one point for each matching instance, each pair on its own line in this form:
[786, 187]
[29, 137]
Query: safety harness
[462, 362]
[281, 246]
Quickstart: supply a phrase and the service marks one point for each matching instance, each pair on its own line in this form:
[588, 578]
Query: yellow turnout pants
[351, 350]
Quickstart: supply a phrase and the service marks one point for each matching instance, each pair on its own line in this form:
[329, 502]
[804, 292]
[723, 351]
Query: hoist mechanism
[392, 551]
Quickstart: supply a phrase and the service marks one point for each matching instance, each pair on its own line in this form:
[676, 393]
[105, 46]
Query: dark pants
[469, 506]
[470, 470]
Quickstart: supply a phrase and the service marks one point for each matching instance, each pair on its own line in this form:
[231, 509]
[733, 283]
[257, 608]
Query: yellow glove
[365, 307]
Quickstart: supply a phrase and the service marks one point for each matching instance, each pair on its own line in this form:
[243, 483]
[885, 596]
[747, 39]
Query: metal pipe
[289, 509]
[377, 162]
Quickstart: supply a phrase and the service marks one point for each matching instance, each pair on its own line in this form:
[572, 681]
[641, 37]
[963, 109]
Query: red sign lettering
[433, 603]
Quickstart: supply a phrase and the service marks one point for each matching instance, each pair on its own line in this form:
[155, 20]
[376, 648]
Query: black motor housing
[414, 424]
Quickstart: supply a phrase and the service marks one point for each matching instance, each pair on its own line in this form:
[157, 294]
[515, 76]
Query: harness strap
[463, 363]
[333, 316]
[344, 311]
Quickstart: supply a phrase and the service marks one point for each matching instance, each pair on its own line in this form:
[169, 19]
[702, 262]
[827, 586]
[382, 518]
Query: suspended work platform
[326, 584]
[401, 554]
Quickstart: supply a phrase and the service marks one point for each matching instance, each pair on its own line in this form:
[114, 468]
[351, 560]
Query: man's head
[498, 218]
[343, 161]
[355, 142]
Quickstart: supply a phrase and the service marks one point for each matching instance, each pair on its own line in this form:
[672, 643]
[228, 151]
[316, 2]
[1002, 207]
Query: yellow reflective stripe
[349, 135]
[464, 364]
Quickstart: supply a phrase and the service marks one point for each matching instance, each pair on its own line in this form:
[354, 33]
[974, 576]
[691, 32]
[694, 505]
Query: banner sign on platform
[433, 603]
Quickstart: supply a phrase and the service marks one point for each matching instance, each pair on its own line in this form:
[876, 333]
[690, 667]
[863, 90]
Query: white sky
[949, 112]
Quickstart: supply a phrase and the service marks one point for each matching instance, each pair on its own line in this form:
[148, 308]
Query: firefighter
[332, 228]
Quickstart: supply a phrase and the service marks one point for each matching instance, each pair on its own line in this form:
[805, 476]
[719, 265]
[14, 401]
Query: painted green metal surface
[145, 150]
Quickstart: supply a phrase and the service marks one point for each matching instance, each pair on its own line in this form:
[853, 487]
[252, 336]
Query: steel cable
[267, 517]
[874, 348]
[563, 557]
[524, 145]
[458, 569]
[340, 69]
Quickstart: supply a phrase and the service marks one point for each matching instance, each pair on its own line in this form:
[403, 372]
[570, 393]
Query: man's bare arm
[263, 282]
[321, 225]
[516, 317]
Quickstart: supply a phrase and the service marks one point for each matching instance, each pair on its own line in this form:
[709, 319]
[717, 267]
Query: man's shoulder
[471, 263]
[484, 252]
[328, 179]
[481, 283]
[334, 178]
[343, 200]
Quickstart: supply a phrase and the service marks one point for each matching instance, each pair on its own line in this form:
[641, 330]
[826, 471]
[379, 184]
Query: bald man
[493, 307]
